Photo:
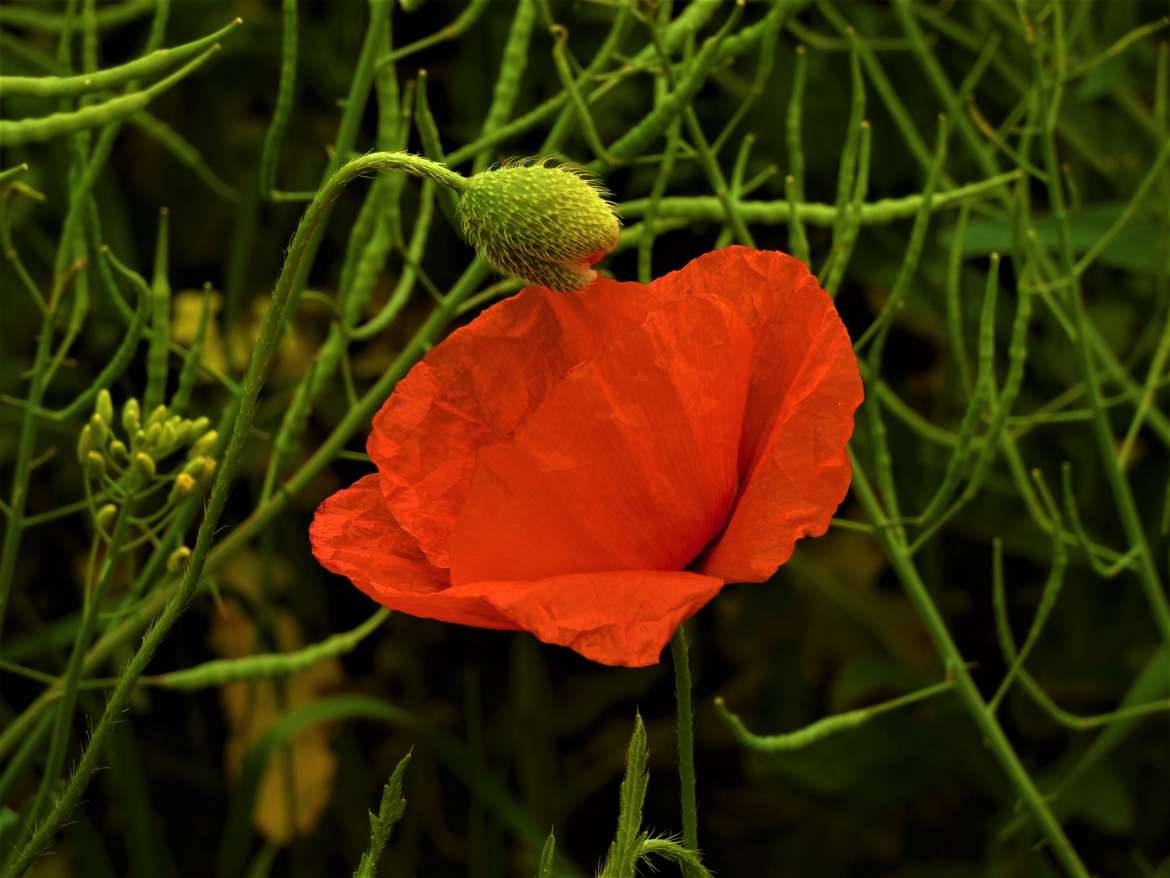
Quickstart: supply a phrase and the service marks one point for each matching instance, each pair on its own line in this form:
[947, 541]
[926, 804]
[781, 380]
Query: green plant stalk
[63, 721]
[895, 549]
[25, 448]
[1119, 486]
[686, 737]
[308, 232]
[708, 208]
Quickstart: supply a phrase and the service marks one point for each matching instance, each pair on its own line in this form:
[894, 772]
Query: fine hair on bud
[546, 223]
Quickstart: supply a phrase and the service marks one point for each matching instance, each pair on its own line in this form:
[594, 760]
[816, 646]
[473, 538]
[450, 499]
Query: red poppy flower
[593, 467]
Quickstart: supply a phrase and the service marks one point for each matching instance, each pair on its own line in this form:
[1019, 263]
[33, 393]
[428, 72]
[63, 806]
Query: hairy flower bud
[104, 406]
[545, 224]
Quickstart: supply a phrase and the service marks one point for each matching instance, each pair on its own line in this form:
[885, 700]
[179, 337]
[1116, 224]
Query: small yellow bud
[106, 516]
[157, 416]
[131, 417]
[96, 464]
[118, 450]
[85, 443]
[205, 443]
[153, 431]
[178, 559]
[144, 465]
[101, 429]
[182, 488]
[104, 406]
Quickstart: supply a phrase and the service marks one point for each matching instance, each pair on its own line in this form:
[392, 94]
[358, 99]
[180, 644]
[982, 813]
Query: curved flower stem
[686, 737]
[895, 548]
[307, 234]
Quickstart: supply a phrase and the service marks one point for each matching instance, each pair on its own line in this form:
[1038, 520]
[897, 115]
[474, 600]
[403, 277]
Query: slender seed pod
[547, 224]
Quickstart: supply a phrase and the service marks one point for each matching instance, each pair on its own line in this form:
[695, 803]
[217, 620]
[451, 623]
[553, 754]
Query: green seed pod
[96, 464]
[118, 450]
[106, 516]
[104, 406]
[144, 465]
[157, 416]
[131, 417]
[183, 487]
[204, 443]
[85, 443]
[178, 559]
[545, 224]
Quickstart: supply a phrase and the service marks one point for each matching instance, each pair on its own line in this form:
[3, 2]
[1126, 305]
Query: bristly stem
[895, 548]
[308, 234]
[686, 737]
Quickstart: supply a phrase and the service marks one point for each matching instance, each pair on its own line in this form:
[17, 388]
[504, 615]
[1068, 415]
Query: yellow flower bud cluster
[129, 465]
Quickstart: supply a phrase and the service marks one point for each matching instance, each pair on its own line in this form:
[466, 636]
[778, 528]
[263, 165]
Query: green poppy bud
[106, 516]
[131, 417]
[144, 465]
[545, 224]
[104, 406]
[178, 559]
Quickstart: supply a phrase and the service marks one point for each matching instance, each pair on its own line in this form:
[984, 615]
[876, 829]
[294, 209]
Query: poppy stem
[686, 737]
